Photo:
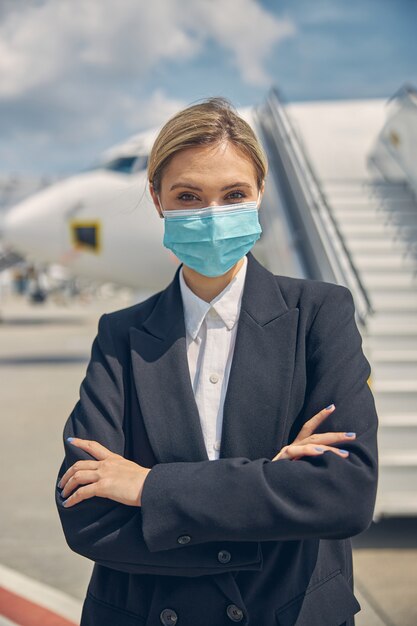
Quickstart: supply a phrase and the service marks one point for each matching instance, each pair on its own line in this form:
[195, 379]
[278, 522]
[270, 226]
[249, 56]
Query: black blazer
[240, 539]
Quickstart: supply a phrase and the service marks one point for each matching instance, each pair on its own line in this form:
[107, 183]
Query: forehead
[218, 161]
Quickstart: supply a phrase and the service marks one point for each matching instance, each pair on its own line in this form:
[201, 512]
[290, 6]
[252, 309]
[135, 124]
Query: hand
[308, 444]
[111, 476]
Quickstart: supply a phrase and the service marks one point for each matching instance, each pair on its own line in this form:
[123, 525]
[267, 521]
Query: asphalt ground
[44, 351]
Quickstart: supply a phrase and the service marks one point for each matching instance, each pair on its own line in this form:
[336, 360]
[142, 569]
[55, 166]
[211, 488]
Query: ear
[155, 200]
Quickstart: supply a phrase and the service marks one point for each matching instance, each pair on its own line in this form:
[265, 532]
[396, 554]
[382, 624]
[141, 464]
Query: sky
[77, 76]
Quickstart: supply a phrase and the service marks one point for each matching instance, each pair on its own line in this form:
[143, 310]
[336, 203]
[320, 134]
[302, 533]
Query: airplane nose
[30, 226]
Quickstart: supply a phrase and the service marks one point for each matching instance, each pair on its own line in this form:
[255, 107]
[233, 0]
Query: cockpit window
[127, 164]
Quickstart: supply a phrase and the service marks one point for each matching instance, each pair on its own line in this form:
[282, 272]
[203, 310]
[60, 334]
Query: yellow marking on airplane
[76, 232]
[394, 138]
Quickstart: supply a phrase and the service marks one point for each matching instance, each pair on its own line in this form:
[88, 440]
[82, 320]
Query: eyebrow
[190, 186]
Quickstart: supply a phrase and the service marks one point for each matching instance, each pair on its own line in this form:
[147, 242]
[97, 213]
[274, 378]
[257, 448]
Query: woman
[232, 364]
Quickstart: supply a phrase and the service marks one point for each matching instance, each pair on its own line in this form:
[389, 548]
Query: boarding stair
[362, 234]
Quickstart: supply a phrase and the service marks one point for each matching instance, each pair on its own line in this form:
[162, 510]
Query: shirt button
[224, 556]
[216, 445]
[184, 539]
[234, 613]
[214, 378]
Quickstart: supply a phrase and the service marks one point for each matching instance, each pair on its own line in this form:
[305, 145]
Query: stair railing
[325, 245]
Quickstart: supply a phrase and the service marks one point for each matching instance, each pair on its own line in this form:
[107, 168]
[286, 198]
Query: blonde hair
[211, 121]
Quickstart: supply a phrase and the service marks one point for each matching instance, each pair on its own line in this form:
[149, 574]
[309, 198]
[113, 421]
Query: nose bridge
[215, 203]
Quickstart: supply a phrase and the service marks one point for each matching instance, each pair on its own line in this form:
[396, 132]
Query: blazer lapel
[162, 381]
[258, 392]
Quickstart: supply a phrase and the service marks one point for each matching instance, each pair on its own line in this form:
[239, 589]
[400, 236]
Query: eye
[236, 195]
[187, 197]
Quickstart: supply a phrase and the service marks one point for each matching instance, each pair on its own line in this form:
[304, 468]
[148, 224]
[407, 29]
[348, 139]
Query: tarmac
[44, 352]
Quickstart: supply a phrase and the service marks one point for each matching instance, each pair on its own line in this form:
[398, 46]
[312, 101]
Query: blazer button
[234, 613]
[168, 617]
[184, 539]
[224, 556]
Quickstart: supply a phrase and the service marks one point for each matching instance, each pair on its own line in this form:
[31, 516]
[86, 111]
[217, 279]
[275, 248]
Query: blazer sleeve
[326, 496]
[108, 532]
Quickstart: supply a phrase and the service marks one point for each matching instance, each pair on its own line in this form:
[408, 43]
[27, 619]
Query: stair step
[365, 200]
[383, 300]
[372, 245]
[394, 370]
[407, 458]
[403, 420]
[395, 386]
[397, 476]
[392, 502]
[389, 401]
[392, 223]
[378, 229]
[399, 441]
[394, 356]
[392, 260]
[377, 214]
[378, 327]
[388, 341]
[389, 280]
[346, 190]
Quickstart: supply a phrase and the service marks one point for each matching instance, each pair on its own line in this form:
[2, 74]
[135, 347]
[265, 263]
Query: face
[203, 176]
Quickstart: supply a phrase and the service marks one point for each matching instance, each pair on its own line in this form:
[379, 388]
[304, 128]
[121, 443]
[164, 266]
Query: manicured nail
[65, 502]
[329, 407]
[70, 439]
[318, 448]
[344, 451]
[59, 485]
[350, 434]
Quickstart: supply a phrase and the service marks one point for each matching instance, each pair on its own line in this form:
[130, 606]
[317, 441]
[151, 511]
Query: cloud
[44, 42]
[156, 109]
[246, 30]
[86, 71]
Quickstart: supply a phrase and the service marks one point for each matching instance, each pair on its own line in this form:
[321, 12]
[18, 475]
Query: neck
[208, 287]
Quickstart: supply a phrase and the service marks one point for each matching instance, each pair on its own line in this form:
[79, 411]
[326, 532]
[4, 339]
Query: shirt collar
[226, 303]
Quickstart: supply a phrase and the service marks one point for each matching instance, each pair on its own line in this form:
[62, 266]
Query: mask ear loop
[162, 208]
[257, 201]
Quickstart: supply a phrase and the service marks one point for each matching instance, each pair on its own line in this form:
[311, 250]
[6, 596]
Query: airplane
[99, 223]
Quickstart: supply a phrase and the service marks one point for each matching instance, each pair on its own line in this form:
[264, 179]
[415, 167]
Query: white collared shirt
[211, 334]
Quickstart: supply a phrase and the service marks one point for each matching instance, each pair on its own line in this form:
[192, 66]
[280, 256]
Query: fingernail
[65, 502]
[350, 434]
[318, 448]
[344, 451]
[59, 484]
[329, 407]
[70, 439]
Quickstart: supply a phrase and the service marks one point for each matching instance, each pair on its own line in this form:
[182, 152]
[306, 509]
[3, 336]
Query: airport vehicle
[340, 205]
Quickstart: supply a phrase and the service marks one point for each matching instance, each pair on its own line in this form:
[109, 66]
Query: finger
[295, 452]
[94, 448]
[74, 468]
[328, 438]
[82, 477]
[310, 426]
[281, 454]
[83, 493]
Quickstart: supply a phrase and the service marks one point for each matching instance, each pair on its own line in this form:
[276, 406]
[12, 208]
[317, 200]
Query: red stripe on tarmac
[26, 613]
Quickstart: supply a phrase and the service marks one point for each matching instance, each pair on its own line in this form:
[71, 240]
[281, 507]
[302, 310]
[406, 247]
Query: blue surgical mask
[211, 240]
